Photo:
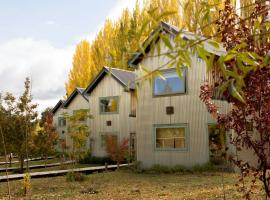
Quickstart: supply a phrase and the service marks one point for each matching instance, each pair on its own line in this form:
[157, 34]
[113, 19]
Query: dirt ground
[125, 184]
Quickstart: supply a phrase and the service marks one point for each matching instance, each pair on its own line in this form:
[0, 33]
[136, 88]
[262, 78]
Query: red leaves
[117, 152]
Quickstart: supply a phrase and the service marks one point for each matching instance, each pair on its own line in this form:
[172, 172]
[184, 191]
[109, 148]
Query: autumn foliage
[117, 152]
[244, 82]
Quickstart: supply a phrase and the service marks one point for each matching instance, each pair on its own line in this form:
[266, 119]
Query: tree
[78, 131]
[18, 122]
[46, 137]
[117, 152]
[83, 69]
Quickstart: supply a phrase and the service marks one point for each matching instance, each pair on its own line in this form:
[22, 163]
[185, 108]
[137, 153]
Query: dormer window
[172, 85]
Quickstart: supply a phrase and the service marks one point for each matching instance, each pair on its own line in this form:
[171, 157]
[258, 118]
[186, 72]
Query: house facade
[75, 102]
[112, 103]
[173, 126]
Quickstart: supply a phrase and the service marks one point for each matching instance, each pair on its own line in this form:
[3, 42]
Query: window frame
[179, 125]
[60, 124]
[171, 94]
[108, 97]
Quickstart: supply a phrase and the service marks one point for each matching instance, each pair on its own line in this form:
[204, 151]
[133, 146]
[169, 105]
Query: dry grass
[125, 184]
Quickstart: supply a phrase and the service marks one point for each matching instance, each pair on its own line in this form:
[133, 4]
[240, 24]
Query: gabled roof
[76, 91]
[124, 77]
[57, 106]
[172, 30]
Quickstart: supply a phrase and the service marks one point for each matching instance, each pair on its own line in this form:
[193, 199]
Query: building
[76, 101]
[112, 101]
[173, 125]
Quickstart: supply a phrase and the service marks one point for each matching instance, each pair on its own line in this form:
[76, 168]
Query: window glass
[109, 105]
[172, 83]
[61, 121]
[171, 138]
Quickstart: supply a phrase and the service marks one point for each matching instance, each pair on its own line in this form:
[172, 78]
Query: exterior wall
[59, 129]
[121, 123]
[77, 103]
[188, 109]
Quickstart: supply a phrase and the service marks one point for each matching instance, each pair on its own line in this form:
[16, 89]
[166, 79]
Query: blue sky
[38, 38]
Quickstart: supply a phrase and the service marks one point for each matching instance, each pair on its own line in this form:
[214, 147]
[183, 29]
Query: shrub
[75, 176]
[89, 159]
[204, 167]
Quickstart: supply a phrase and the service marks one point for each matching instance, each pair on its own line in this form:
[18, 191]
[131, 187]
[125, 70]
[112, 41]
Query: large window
[173, 84]
[109, 104]
[171, 136]
[61, 121]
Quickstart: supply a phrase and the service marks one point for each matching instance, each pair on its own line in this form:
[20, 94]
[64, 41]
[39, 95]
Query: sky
[38, 38]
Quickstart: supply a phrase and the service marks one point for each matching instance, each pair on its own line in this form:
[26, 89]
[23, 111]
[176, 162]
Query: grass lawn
[125, 184]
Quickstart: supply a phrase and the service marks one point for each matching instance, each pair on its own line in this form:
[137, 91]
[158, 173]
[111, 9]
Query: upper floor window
[109, 104]
[61, 121]
[173, 84]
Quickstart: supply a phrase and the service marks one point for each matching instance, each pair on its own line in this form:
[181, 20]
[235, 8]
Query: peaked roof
[76, 91]
[57, 106]
[173, 30]
[124, 77]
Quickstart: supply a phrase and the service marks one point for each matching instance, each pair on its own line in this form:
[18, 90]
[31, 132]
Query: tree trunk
[21, 163]
[265, 182]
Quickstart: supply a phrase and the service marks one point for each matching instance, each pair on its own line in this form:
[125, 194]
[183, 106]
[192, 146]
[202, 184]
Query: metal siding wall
[120, 122]
[188, 109]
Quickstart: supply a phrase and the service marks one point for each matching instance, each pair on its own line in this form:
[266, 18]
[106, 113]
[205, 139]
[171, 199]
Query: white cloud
[46, 65]
[50, 22]
[116, 11]
[113, 15]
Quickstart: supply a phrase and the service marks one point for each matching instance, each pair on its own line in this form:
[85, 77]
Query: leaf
[165, 14]
[266, 59]
[229, 57]
[179, 71]
[202, 52]
[235, 93]
[214, 44]
[166, 40]
[159, 74]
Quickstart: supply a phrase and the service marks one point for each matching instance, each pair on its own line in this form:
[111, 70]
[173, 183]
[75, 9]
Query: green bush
[75, 176]
[204, 167]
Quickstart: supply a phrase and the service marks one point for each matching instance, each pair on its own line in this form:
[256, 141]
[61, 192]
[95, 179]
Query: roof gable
[76, 91]
[57, 106]
[124, 77]
[172, 30]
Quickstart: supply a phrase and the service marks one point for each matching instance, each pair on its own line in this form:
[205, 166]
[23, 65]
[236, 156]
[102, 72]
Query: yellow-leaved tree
[82, 68]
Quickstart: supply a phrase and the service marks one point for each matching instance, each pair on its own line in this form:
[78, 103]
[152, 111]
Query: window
[109, 104]
[171, 137]
[104, 137]
[61, 121]
[172, 85]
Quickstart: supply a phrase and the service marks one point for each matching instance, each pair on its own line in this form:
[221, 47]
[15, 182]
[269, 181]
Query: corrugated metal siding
[188, 109]
[121, 122]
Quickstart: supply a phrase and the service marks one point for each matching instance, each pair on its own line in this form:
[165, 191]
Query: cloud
[113, 15]
[116, 11]
[46, 65]
[50, 22]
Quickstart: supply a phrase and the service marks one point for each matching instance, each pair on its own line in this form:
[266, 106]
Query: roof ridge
[119, 69]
